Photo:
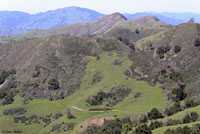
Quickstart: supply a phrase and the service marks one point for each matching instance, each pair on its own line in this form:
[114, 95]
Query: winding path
[82, 110]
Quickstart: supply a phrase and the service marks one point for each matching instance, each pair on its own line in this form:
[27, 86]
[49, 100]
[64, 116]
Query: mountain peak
[150, 21]
[150, 18]
[112, 17]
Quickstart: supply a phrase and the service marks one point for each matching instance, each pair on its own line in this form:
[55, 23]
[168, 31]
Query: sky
[103, 6]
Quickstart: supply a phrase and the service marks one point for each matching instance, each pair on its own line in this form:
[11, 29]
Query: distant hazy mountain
[12, 21]
[46, 20]
[64, 16]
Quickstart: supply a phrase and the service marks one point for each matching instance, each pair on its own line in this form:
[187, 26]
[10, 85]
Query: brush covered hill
[52, 85]
[137, 29]
[178, 47]
[63, 83]
[114, 25]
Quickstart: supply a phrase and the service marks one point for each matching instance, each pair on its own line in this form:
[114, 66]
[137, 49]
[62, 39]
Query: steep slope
[137, 29]
[177, 49]
[146, 21]
[62, 71]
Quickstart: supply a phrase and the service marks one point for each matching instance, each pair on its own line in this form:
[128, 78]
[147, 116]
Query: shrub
[115, 95]
[174, 109]
[143, 129]
[177, 49]
[175, 76]
[154, 114]
[187, 119]
[14, 111]
[53, 84]
[35, 74]
[180, 94]
[155, 125]
[192, 117]
[96, 78]
[191, 103]
[161, 51]
[137, 31]
[137, 95]
[171, 122]
[197, 42]
[8, 100]
[69, 114]
[127, 42]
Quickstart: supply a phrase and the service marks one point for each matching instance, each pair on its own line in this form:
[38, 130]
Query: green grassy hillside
[112, 75]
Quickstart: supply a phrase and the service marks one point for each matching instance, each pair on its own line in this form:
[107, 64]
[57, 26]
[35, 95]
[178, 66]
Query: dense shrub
[127, 42]
[143, 129]
[115, 95]
[143, 118]
[155, 125]
[180, 94]
[14, 111]
[195, 129]
[191, 103]
[154, 114]
[192, 117]
[176, 76]
[177, 49]
[171, 122]
[63, 127]
[197, 42]
[112, 127]
[161, 51]
[53, 84]
[137, 95]
[173, 109]
[7, 100]
[137, 31]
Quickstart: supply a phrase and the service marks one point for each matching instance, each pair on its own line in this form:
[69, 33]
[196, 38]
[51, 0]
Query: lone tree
[154, 114]
[69, 114]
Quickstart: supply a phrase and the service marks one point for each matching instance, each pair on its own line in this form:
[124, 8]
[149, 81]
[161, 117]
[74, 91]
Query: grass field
[152, 97]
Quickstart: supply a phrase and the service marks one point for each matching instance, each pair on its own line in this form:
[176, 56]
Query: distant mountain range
[14, 22]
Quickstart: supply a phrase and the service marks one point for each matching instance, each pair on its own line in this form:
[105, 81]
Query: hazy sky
[104, 6]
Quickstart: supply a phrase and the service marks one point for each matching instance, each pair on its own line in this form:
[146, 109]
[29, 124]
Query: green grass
[163, 129]
[112, 75]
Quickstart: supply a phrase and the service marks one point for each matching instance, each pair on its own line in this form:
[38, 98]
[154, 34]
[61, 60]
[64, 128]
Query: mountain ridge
[72, 15]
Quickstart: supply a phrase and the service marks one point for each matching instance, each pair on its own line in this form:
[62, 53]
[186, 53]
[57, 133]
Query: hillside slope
[63, 72]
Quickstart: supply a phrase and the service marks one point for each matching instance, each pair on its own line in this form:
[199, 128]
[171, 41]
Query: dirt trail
[82, 110]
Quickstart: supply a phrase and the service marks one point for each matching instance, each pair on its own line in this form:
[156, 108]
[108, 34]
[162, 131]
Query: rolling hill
[110, 75]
